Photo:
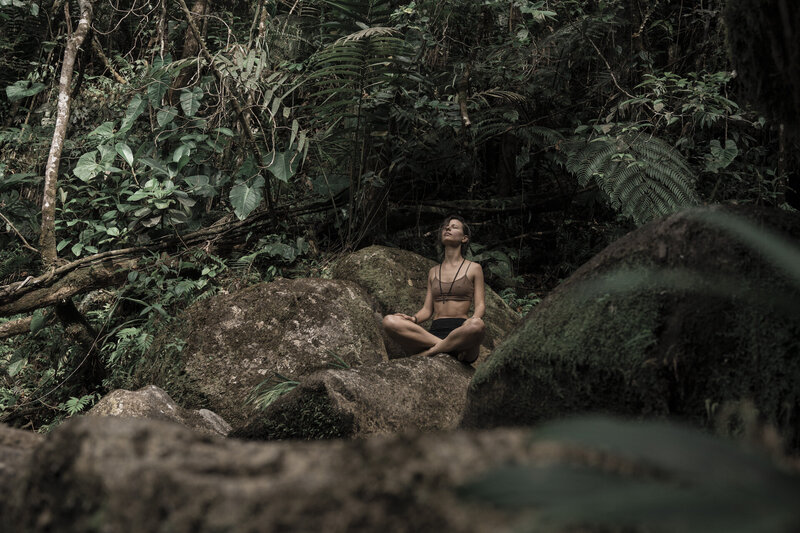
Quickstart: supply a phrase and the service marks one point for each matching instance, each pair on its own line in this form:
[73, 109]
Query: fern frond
[643, 177]
[367, 33]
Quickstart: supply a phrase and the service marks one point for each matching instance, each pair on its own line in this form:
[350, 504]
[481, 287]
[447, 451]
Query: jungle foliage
[554, 126]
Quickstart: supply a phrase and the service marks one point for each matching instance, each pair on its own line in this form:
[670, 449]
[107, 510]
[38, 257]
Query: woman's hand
[405, 316]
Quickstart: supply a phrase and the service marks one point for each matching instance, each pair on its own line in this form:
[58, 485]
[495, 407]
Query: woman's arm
[427, 308]
[479, 297]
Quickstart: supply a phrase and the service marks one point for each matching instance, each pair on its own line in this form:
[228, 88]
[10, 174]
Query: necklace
[441, 292]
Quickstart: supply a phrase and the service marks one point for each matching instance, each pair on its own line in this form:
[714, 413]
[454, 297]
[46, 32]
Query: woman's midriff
[450, 309]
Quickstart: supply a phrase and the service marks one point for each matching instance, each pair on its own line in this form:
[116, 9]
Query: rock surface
[412, 393]
[398, 281]
[233, 342]
[16, 445]
[711, 324]
[134, 475]
[153, 403]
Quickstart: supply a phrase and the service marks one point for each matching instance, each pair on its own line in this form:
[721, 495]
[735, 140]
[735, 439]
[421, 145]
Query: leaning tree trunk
[47, 238]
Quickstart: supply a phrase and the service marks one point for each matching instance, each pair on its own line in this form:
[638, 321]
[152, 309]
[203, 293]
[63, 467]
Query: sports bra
[459, 290]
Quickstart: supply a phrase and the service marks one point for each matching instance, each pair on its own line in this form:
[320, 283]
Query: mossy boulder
[233, 342]
[412, 393]
[154, 403]
[398, 280]
[677, 318]
[141, 476]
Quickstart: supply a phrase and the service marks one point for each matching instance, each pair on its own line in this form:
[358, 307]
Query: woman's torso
[451, 298]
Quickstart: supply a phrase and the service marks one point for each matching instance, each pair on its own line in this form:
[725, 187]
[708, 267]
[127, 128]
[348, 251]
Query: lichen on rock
[232, 342]
[154, 403]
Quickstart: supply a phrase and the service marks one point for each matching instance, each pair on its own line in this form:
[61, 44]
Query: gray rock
[709, 323]
[16, 446]
[153, 403]
[412, 393]
[398, 281]
[233, 342]
[133, 475]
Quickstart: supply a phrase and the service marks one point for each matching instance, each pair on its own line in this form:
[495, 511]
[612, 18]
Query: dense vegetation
[217, 144]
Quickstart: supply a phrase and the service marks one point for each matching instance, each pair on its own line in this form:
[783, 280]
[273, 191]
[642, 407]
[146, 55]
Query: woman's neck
[452, 255]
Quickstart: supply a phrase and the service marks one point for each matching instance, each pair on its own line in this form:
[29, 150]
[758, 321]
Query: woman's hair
[465, 227]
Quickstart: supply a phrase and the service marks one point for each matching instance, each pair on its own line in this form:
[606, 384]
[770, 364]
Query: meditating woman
[453, 286]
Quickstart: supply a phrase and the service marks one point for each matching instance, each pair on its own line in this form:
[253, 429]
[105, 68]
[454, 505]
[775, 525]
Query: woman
[453, 286]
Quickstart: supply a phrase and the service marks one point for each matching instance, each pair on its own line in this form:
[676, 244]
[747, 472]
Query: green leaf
[245, 199]
[104, 131]
[125, 151]
[23, 89]
[282, 166]
[15, 367]
[135, 108]
[77, 249]
[38, 320]
[166, 115]
[157, 89]
[87, 167]
[190, 101]
[62, 244]
[113, 231]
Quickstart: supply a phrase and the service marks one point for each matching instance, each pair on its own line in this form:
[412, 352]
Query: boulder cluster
[691, 318]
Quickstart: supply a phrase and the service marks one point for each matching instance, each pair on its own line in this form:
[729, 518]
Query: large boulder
[398, 280]
[413, 393]
[680, 317]
[136, 475]
[233, 342]
[15, 446]
[153, 403]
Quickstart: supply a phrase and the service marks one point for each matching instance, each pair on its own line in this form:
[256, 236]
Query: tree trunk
[47, 238]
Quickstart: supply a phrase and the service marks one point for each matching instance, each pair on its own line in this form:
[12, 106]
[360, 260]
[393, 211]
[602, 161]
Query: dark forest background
[212, 145]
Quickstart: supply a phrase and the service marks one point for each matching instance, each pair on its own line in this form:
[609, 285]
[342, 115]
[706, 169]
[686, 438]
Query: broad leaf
[23, 89]
[190, 101]
[38, 320]
[125, 151]
[87, 167]
[282, 166]
[104, 131]
[166, 115]
[245, 199]
[157, 89]
[135, 108]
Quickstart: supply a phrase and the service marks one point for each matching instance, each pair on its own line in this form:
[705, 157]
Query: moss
[678, 350]
[304, 413]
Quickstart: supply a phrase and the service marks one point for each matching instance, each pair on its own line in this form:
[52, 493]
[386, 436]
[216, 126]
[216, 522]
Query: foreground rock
[153, 403]
[398, 280]
[232, 342]
[412, 393]
[16, 445]
[117, 475]
[716, 324]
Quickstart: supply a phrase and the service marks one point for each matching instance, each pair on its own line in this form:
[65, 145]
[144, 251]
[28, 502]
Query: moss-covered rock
[413, 393]
[232, 342]
[154, 403]
[134, 476]
[704, 321]
[398, 280]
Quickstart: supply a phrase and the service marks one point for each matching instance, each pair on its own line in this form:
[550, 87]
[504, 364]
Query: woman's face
[453, 232]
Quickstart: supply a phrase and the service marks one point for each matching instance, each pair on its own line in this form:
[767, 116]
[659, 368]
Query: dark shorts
[441, 327]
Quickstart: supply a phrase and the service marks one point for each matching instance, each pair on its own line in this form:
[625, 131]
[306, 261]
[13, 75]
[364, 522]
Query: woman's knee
[476, 327]
[392, 322]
